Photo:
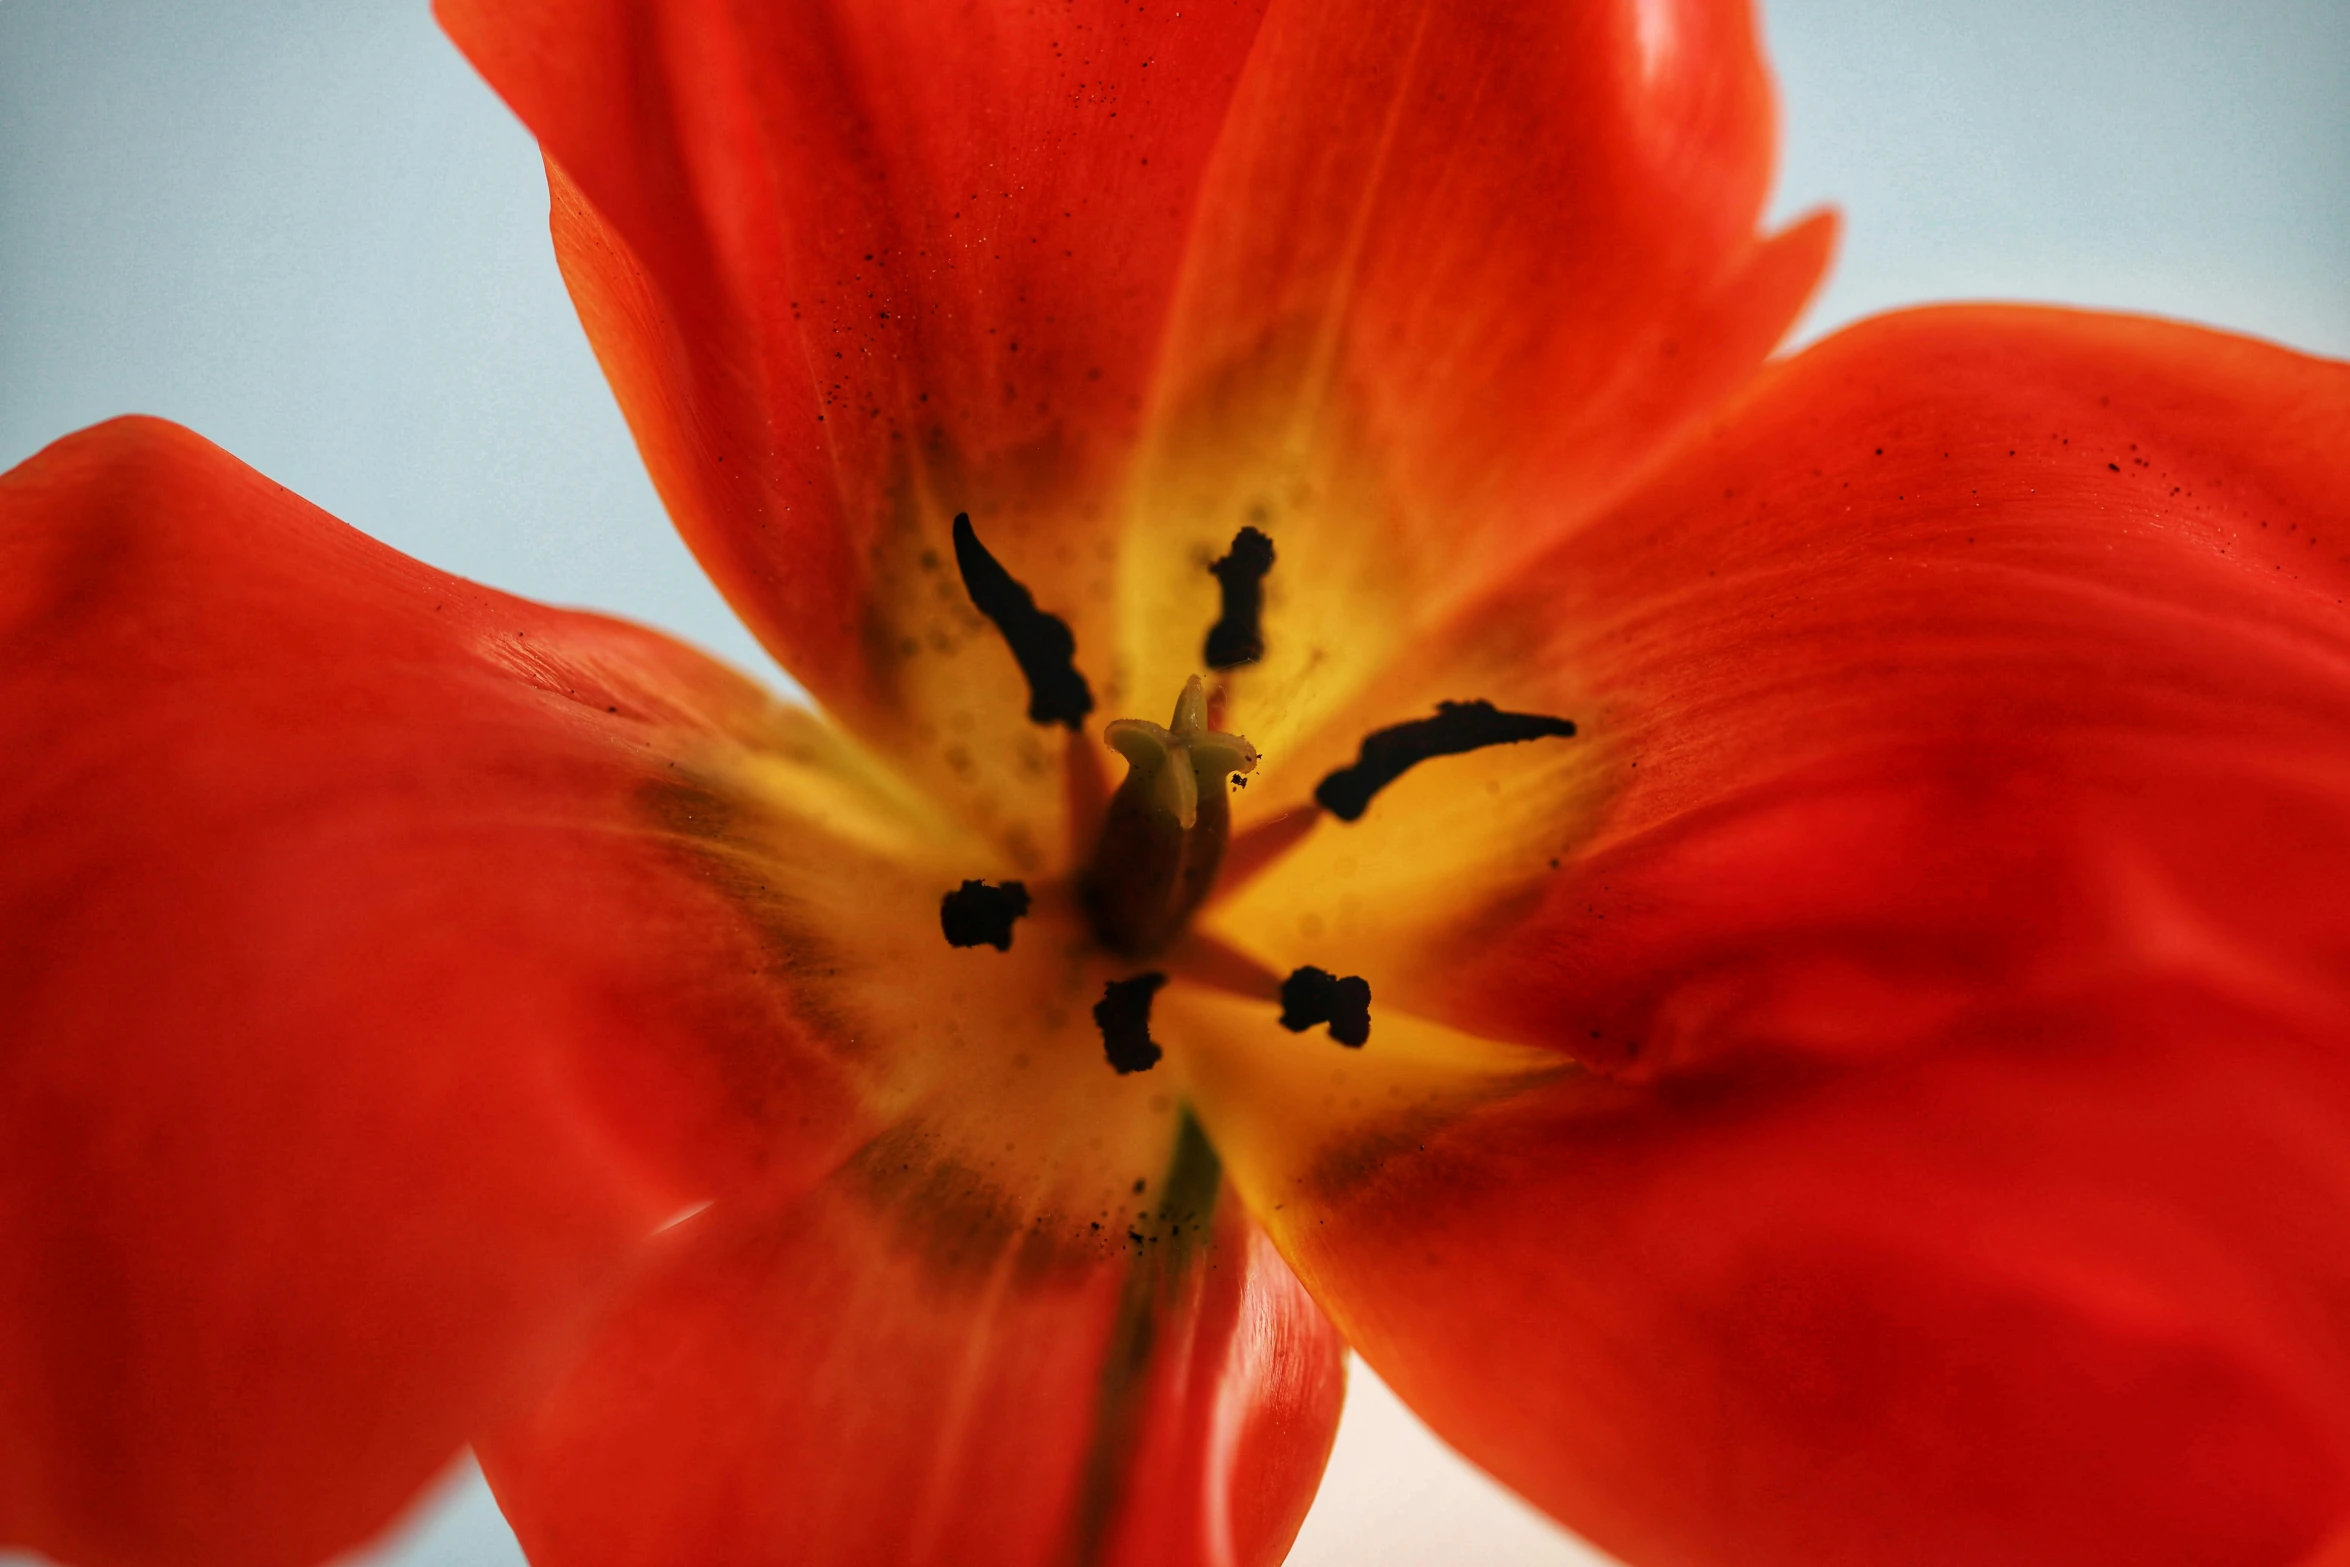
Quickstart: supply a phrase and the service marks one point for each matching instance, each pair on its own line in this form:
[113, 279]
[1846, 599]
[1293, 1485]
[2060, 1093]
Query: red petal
[855, 267]
[899, 1371]
[1864, 736]
[361, 1021]
[1521, 234]
[1461, 270]
[1944, 895]
[2065, 1287]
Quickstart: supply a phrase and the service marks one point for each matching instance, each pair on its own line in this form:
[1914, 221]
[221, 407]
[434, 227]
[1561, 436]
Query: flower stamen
[1124, 1017]
[1458, 727]
[978, 915]
[1239, 637]
[1043, 645]
[1311, 995]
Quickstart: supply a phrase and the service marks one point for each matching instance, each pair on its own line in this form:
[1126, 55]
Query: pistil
[1165, 832]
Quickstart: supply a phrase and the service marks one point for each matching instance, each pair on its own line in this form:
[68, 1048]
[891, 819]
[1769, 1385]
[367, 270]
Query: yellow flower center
[1164, 835]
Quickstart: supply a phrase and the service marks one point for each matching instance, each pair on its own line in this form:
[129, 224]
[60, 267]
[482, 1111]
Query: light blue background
[310, 233]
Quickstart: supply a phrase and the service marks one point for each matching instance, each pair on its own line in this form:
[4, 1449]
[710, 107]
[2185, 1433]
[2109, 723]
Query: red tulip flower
[1768, 940]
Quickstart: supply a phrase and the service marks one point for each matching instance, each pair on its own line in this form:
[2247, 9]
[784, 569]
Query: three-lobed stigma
[1181, 759]
[1167, 826]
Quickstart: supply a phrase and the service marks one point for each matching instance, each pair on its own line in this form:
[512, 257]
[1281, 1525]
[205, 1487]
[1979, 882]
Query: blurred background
[310, 233]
